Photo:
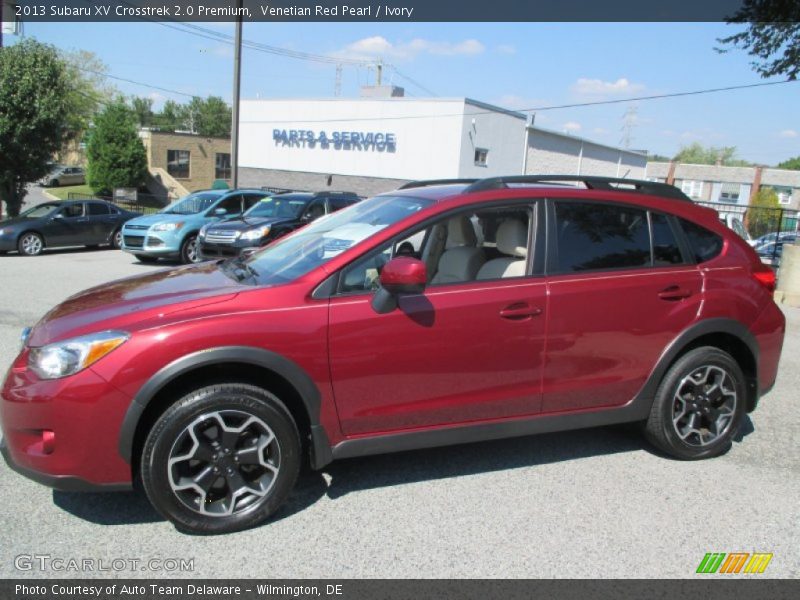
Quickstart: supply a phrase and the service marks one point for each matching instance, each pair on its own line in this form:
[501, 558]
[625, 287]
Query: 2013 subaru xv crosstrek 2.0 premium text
[441, 313]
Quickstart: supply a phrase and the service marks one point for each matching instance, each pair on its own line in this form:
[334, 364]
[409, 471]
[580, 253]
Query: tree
[117, 157]
[210, 117]
[792, 164]
[772, 36]
[763, 215]
[88, 90]
[143, 108]
[173, 117]
[34, 116]
[697, 154]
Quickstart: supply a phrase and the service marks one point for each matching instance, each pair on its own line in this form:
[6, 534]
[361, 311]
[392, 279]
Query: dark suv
[267, 220]
[437, 314]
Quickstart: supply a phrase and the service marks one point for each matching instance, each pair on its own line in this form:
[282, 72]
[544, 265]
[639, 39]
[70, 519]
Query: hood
[119, 304]
[18, 221]
[239, 224]
[155, 218]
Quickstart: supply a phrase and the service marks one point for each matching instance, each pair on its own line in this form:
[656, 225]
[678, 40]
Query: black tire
[709, 381]
[144, 258]
[200, 411]
[190, 250]
[30, 244]
[116, 239]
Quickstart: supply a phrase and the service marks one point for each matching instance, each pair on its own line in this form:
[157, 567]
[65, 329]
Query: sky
[514, 65]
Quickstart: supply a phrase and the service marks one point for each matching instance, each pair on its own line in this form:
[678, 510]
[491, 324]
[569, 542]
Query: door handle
[520, 311]
[674, 292]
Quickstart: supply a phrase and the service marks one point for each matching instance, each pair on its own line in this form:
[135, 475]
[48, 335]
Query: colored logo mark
[735, 562]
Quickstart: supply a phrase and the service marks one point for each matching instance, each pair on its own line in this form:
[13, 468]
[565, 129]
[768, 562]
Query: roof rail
[590, 181]
[427, 182]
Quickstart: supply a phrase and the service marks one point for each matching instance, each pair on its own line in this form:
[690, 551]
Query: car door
[464, 351]
[615, 304]
[70, 228]
[102, 221]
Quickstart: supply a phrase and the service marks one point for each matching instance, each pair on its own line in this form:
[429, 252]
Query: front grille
[138, 227]
[221, 237]
[133, 241]
[222, 252]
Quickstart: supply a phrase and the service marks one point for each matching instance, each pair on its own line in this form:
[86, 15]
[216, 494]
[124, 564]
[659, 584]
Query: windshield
[317, 243]
[289, 208]
[41, 210]
[191, 204]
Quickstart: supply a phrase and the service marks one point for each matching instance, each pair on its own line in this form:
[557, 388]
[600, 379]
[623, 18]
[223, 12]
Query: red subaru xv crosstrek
[441, 313]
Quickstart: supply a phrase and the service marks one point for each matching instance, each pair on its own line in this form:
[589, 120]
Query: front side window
[311, 246]
[232, 204]
[592, 236]
[192, 204]
[467, 246]
[74, 210]
[178, 163]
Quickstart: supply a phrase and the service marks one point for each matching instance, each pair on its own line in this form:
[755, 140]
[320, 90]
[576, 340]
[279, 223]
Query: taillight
[765, 276]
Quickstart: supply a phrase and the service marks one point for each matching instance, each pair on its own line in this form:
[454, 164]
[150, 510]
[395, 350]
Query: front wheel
[190, 252]
[116, 239]
[221, 459]
[30, 244]
[699, 405]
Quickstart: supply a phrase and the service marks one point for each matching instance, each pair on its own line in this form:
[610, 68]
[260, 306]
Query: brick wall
[202, 155]
[315, 182]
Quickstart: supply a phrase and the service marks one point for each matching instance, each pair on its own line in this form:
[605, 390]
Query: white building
[371, 145]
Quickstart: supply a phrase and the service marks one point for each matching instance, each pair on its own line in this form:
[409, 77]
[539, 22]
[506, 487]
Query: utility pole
[629, 122]
[337, 86]
[379, 76]
[237, 80]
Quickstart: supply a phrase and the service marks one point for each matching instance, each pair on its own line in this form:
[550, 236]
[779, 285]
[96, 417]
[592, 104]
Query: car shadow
[403, 468]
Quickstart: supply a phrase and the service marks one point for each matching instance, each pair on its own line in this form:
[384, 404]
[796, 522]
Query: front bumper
[210, 250]
[8, 243]
[151, 244]
[63, 432]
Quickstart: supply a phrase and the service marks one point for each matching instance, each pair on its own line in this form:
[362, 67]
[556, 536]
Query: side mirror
[218, 212]
[401, 276]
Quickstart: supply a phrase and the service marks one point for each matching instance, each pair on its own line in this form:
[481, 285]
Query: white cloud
[506, 49]
[379, 47]
[572, 126]
[598, 87]
[788, 133]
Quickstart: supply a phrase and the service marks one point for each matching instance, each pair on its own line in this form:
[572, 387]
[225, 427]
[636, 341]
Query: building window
[692, 188]
[729, 192]
[178, 163]
[223, 166]
[481, 155]
[784, 194]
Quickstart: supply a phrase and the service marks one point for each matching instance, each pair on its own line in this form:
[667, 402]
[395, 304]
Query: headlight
[203, 230]
[168, 226]
[256, 234]
[70, 356]
[2, 231]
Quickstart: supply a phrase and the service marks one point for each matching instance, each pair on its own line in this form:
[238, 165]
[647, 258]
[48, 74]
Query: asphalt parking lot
[595, 503]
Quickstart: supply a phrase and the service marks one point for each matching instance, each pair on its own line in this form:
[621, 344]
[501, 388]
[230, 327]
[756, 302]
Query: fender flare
[686, 337]
[259, 357]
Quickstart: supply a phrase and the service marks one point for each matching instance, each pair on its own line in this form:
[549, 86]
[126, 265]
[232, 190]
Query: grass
[61, 192]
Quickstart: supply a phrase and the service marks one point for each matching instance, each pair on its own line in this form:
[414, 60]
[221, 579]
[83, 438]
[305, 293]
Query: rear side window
[95, 208]
[340, 203]
[594, 236]
[704, 244]
[666, 250]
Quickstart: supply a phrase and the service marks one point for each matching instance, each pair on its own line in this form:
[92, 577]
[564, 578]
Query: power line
[154, 87]
[544, 108]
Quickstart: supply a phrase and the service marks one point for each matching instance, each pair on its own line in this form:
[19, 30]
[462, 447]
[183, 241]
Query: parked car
[782, 236]
[267, 220]
[67, 223]
[172, 232]
[573, 308]
[771, 252]
[63, 175]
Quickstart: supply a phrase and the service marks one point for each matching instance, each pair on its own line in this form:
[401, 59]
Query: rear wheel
[189, 250]
[222, 459]
[144, 258]
[698, 406]
[116, 239]
[30, 244]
